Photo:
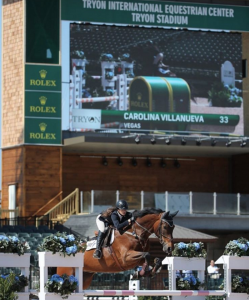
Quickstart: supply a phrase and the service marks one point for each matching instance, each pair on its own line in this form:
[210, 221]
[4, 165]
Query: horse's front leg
[135, 258]
[146, 264]
[148, 271]
[157, 267]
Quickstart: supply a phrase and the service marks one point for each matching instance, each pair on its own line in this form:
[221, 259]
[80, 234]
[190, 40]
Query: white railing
[188, 203]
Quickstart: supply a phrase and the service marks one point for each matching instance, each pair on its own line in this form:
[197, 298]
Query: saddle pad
[92, 244]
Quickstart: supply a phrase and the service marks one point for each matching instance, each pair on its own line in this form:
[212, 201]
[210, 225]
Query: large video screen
[151, 80]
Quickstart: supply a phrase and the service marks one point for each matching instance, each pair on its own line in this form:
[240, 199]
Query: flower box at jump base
[13, 260]
[48, 259]
[233, 263]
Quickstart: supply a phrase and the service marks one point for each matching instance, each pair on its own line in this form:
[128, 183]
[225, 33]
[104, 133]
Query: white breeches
[158, 58]
[100, 224]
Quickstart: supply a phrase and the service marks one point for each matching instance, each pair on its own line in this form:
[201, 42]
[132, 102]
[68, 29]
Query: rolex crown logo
[43, 74]
[42, 126]
[43, 100]
[139, 96]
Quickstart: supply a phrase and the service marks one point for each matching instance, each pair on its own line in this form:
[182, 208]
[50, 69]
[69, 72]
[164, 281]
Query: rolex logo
[43, 100]
[139, 96]
[42, 126]
[43, 74]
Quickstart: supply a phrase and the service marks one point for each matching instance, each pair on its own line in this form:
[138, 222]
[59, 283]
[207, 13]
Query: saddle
[109, 238]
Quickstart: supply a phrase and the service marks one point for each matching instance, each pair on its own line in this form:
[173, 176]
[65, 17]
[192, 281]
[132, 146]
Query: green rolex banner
[42, 131]
[157, 13]
[43, 77]
[42, 104]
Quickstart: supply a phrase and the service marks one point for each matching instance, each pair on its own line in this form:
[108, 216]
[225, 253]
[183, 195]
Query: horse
[130, 249]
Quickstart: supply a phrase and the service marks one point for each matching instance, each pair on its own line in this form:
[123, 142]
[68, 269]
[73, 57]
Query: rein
[160, 235]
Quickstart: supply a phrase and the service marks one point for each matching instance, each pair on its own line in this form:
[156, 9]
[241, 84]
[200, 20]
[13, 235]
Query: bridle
[160, 235]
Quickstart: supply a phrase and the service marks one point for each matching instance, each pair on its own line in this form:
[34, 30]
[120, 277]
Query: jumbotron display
[151, 80]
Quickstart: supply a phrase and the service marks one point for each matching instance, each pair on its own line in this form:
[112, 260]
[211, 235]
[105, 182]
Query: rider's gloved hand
[132, 220]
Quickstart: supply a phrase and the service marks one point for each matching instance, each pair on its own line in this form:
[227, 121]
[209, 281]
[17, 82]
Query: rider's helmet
[122, 204]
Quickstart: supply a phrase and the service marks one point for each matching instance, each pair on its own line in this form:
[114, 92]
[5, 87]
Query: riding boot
[98, 252]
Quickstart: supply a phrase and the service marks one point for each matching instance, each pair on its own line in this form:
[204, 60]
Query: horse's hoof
[157, 261]
[135, 276]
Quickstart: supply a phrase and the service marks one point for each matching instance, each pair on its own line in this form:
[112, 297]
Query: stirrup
[97, 254]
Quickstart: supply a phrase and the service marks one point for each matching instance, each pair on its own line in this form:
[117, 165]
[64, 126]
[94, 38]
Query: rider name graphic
[164, 117]
[95, 119]
[160, 13]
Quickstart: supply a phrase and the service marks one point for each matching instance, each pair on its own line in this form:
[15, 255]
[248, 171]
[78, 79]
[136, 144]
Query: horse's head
[165, 231]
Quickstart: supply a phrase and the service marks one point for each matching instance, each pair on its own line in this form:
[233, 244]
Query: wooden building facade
[41, 171]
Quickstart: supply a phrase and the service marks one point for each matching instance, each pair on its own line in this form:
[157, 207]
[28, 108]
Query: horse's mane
[147, 211]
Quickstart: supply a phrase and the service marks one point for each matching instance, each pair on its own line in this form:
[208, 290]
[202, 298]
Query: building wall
[12, 72]
[36, 171]
[13, 173]
[43, 169]
[197, 174]
[240, 174]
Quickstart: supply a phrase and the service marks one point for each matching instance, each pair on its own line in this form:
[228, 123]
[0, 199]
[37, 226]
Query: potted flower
[109, 74]
[12, 244]
[188, 283]
[10, 250]
[126, 57]
[240, 284]
[78, 54]
[60, 250]
[11, 284]
[236, 257]
[62, 243]
[129, 73]
[239, 247]
[189, 250]
[63, 285]
[224, 95]
[106, 57]
[189, 256]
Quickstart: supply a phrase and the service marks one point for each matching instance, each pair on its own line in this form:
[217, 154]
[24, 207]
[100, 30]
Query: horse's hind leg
[87, 279]
[65, 270]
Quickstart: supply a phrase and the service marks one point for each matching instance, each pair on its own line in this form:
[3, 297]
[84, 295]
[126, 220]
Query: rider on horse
[118, 217]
